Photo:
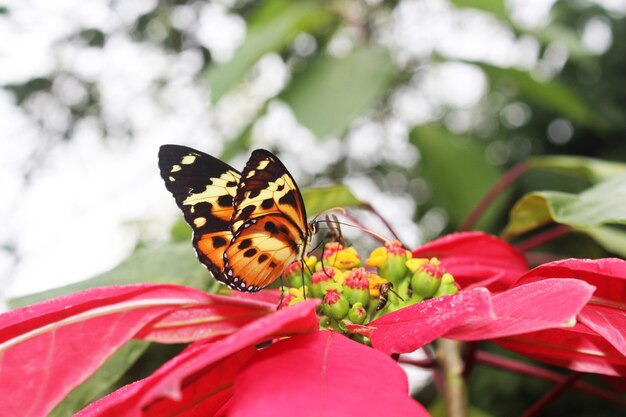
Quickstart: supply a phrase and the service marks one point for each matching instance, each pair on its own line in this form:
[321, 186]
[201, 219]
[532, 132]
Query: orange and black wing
[269, 224]
[204, 188]
[266, 187]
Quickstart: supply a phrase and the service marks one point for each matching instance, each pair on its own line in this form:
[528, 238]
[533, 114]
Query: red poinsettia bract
[50, 348]
[476, 259]
[478, 314]
[597, 343]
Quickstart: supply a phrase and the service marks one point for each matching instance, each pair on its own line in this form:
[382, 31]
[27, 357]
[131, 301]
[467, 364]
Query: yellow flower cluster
[351, 293]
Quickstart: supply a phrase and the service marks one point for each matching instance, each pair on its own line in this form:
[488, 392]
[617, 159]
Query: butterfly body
[247, 227]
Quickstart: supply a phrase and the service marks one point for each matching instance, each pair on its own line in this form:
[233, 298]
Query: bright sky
[85, 202]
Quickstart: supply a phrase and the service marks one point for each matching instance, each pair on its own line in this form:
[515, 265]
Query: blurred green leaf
[590, 169]
[458, 172]
[110, 372]
[562, 35]
[317, 200]
[495, 7]
[611, 238]
[270, 29]
[181, 231]
[174, 263]
[551, 95]
[331, 92]
[604, 203]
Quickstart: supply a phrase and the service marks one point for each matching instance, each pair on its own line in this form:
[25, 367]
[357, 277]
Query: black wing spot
[289, 199]
[225, 200]
[280, 187]
[262, 258]
[254, 193]
[266, 204]
[250, 253]
[245, 244]
[270, 227]
[231, 184]
[247, 211]
[272, 264]
[218, 241]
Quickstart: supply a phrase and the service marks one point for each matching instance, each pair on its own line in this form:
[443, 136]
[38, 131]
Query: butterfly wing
[260, 251]
[269, 224]
[266, 188]
[204, 189]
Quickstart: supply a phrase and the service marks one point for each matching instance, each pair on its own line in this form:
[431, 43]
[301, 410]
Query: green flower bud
[335, 305]
[295, 274]
[447, 287]
[357, 314]
[390, 261]
[356, 287]
[424, 284]
[320, 280]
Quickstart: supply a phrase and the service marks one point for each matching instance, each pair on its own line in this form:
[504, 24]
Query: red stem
[552, 395]
[522, 368]
[544, 237]
[507, 179]
[385, 222]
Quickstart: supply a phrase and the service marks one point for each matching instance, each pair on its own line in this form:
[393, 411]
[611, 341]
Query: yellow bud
[416, 264]
[377, 257]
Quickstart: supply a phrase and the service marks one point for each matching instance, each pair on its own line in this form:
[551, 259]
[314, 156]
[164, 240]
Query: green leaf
[458, 172]
[174, 263]
[551, 95]
[604, 203]
[592, 170]
[110, 372]
[611, 238]
[271, 28]
[317, 200]
[495, 7]
[331, 92]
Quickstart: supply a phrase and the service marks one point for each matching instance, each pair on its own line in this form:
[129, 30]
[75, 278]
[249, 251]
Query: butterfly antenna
[339, 209]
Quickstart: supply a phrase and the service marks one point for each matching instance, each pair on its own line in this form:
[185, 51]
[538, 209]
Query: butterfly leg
[282, 294]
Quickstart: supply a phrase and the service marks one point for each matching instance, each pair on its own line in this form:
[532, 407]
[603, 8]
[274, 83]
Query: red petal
[606, 311]
[414, 326]
[168, 386]
[81, 329]
[322, 374]
[608, 322]
[222, 317]
[527, 308]
[269, 296]
[477, 259]
[578, 348]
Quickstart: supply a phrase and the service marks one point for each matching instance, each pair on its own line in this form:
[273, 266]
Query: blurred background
[417, 106]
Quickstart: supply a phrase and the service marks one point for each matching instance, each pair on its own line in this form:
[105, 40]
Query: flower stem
[502, 184]
[523, 368]
[544, 237]
[552, 395]
[375, 212]
[449, 356]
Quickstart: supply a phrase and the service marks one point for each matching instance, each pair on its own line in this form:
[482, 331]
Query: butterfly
[248, 226]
